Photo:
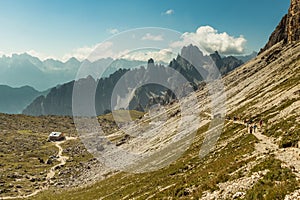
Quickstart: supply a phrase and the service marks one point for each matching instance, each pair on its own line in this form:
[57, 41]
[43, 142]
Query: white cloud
[211, 40]
[169, 12]
[40, 55]
[79, 53]
[151, 37]
[163, 55]
[91, 52]
[113, 31]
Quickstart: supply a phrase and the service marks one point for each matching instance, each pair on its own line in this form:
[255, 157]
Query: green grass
[278, 182]
[273, 111]
[19, 154]
[78, 155]
[121, 115]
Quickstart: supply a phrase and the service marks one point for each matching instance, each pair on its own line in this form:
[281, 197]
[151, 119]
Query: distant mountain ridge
[24, 69]
[15, 100]
[59, 99]
[247, 58]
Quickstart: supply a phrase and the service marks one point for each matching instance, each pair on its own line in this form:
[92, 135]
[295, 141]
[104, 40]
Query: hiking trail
[62, 161]
[265, 146]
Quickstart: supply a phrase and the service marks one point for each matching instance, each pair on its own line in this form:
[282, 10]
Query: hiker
[254, 128]
[251, 128]
[234, 118]
[260, 123]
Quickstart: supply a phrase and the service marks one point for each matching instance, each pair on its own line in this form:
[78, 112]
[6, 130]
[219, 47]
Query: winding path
[290, 156]
[62, 159]
[265, 146]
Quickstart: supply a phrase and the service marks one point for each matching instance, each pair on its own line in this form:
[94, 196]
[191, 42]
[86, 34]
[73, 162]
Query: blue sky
[56, 28]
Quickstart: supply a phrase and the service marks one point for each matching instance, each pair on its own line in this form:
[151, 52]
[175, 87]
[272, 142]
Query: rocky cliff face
[293, 22]
[288, 30]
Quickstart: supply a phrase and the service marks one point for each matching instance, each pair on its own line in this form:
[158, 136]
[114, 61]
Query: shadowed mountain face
[225, 64]
[15, 100]
[59, 99]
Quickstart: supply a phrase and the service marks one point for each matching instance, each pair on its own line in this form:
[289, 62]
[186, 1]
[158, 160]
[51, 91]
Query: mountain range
[23, 69]
[59, 99]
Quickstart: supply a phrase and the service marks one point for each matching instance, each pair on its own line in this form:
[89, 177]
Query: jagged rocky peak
[150, 62]
[288, 30]
[293, 22]
[190, 52]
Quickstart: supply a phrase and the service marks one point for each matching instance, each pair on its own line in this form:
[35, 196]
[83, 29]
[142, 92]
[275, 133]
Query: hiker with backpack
[260, 123]
[254, 128]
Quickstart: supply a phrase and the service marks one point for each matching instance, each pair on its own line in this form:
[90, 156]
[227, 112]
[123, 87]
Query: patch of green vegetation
[122, 115]
[289, 139]
[288, 128]
[78, 155]
[290, 82]
[23, 156]
[273, 111]
[232, 129]
[278, 182]
[244, 110]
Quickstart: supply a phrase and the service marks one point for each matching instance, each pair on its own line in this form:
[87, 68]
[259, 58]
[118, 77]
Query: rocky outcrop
[288, 30]
[293, 22]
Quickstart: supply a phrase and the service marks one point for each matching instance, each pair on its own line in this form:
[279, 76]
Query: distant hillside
[14, 100]
[59, 99]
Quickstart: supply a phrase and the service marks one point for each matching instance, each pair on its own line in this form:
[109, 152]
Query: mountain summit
[288, 30]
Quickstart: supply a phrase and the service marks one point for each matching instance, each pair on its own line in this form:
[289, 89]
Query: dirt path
[266, 145]
[290, 156]
[62, 159]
